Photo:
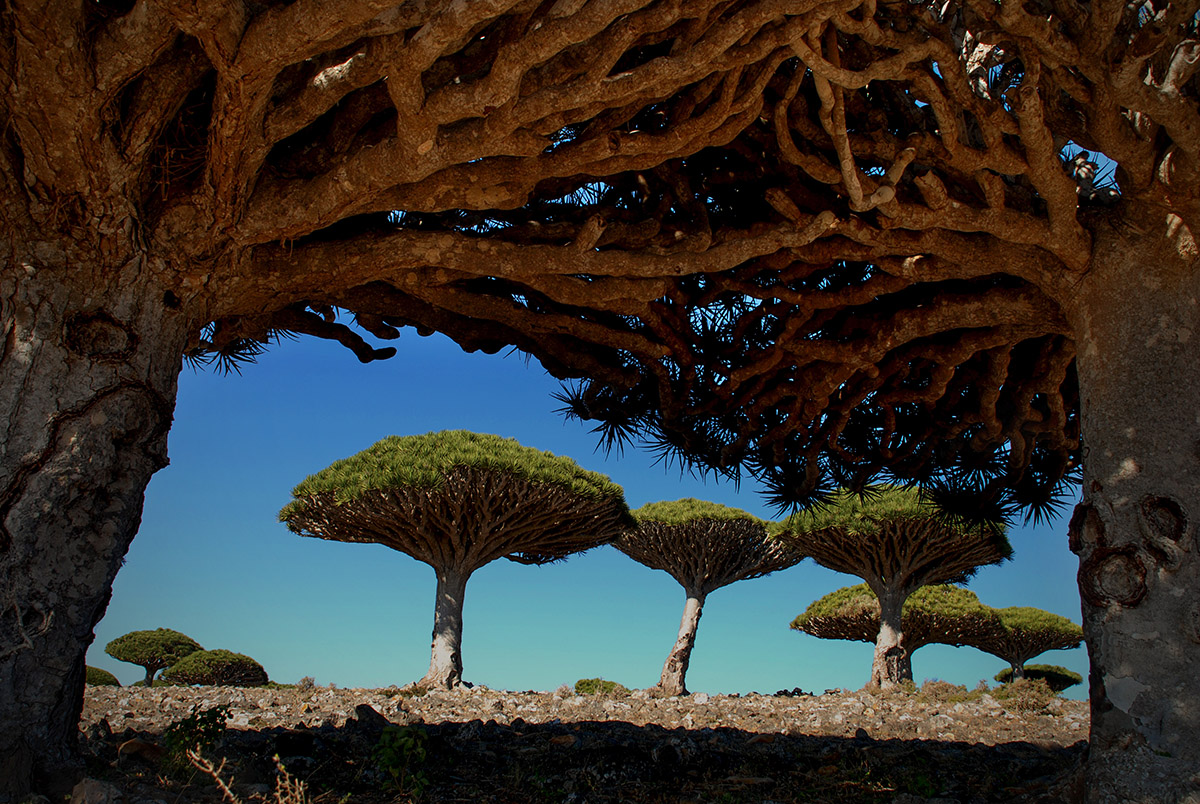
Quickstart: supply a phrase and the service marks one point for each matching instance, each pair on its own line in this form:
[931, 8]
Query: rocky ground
[937, 744]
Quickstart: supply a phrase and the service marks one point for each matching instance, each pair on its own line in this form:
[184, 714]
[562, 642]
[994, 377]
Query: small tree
[944, 614]
[703, 546]
[1024, 632]
[153, 650]
[219, 668]
[456, 501]
[897, 541]
[1056, 677]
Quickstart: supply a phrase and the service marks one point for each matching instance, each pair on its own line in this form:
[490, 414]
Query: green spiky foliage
[1025, 632]
[1058, 678]
[866, 513]
[100, 678]
[152, 650]
[425, 461]
[689, 509]
[943, 614]
[599, 686]
[219, 668]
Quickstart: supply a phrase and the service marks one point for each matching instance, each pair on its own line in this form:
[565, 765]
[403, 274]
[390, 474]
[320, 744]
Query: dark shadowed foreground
[931, 745]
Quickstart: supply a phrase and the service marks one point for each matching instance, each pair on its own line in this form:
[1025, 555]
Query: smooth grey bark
[89, 358]
[1137, 325]
[1018, 670]
[891, 664]
[445, 661]
[674, 674]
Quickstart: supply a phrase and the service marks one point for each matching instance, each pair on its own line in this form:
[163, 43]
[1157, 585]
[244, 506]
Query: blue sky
[212, 561]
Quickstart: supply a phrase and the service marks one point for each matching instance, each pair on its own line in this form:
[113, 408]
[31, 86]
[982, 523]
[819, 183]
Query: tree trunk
[1018, 670]
[1137, 327]
[90, 352]
[673, 680]
[892, 664]
[149, 682]
[445, 662]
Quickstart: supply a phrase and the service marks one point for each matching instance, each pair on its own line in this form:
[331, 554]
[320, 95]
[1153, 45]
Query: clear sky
[211, 559]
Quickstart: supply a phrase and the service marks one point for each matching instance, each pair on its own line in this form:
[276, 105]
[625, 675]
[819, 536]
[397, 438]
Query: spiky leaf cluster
[152, 650]
[459, 499]
[895, 538]
[704, 545]
[943, 614]
[424, 461]
[217, 668]
[1025, 632]
[1058, 678]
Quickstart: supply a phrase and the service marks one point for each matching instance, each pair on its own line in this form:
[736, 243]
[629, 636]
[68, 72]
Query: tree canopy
[1025, 632]
[943, 614]
[1056, 677]
[895, 537]
[689, 509]
[152, 650]
[425, 461]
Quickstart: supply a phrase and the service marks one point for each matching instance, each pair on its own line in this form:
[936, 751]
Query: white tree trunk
[674, 673]
[445, 662]
[891, 664]
[1137, 328]
[89, 358]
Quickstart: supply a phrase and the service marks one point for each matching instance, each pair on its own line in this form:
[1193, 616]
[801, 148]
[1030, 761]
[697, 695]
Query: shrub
[935, 690]
[152, 650]
[598, 686]
[101, 678]
[217, 668]
[197, 732]
[1025, 694]
[1056, 677]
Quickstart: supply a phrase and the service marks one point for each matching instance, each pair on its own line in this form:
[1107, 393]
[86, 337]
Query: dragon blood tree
[152, 650]
[1024, 632]
[896, 540]
[703, 546]
[456, 501]
[942, 614]
[825, 244]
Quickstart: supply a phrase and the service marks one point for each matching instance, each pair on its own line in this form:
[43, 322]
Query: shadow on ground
[597, 762]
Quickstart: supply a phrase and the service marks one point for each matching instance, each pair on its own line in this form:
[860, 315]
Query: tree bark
[892, 664]
[445, 662]
[1018, 670]
[1137, 325]
[674, 673]
[90, 352]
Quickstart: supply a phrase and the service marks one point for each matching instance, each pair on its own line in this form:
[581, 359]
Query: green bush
[152, 650]
[1025, 694]
[598, 686]
[1056, 677]
[197, 732]
[217, 668]
[101, 678]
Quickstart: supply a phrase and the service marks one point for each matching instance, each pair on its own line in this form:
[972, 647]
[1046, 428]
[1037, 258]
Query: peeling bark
[88, 375]
[892, 663]
[445, 661]
[1135, 529]
[673, 680]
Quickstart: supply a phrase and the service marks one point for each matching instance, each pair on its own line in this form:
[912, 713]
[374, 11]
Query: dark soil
[939, 744]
